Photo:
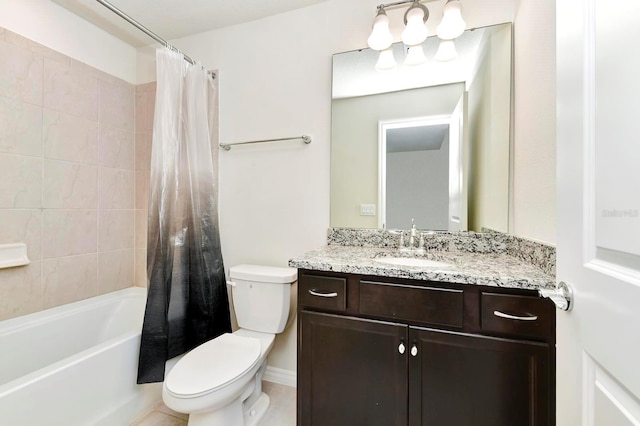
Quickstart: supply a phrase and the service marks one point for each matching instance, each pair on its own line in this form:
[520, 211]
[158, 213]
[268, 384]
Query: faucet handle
[401, 239]
[421, 241]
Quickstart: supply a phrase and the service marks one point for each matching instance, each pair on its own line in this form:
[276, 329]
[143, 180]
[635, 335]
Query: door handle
[561, 296]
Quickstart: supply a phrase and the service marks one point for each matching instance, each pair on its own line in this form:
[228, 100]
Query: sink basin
[413, 261]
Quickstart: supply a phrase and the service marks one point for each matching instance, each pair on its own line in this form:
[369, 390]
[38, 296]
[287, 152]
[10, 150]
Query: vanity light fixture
[452, 25]
[446, 51]
[386, 60]
[416, 32]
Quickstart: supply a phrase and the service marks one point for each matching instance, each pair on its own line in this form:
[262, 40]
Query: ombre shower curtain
[187, 302]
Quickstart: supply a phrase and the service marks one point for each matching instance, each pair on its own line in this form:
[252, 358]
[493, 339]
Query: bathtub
[75, 364]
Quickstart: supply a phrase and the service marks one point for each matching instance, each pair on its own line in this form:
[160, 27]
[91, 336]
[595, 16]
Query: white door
[598, 139]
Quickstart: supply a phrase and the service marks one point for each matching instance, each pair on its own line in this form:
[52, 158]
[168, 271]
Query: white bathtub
[75, 364]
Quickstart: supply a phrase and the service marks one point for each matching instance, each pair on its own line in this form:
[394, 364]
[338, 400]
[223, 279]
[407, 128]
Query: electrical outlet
[367, 209]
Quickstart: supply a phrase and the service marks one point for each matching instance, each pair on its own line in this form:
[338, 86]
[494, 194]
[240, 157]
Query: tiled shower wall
[68, 177]
[145, 104]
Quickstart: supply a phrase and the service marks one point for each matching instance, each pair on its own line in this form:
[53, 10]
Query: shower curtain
[187, 302]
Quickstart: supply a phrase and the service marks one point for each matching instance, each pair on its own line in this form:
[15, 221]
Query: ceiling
[171, 19]
[416, 138]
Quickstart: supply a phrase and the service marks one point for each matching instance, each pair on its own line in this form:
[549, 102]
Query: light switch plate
[367, 209]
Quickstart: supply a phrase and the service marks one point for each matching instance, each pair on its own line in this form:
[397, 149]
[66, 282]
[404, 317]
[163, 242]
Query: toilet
[220, 381]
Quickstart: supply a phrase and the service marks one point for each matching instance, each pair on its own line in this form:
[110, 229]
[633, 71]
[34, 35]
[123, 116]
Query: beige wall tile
[75, 93]
[145, 106]
[115, 229]
[69, 185]
[20, 73]
[20, 290]
[116, 106]
[20, 182]
[115, 188]
[143, 150]
[69, 279]
[60, 120]
[146, 87]
[116, 148]
[22, 226]
[141, 218]
[20, 127]
[115, 270]
[142, 190]
[141, 268]
[69, 138]
[69, 232]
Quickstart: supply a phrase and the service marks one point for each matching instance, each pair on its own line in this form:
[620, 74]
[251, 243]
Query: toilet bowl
[220, 381]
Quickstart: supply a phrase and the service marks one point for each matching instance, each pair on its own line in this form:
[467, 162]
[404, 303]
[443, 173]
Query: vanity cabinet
[387, 351]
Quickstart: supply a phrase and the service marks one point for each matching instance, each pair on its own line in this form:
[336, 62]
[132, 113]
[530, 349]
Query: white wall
[275, 80]
[418, 188]
[55, 27]
[534, 156]
[490, 98]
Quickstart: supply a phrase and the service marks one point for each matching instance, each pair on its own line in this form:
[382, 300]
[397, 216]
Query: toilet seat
[212, 365]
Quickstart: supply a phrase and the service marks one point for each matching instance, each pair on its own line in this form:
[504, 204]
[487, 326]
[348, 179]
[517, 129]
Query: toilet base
[233, 414]
[256, 412]
[229, 415]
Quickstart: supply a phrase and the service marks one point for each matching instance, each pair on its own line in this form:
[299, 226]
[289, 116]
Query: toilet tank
[262, 296]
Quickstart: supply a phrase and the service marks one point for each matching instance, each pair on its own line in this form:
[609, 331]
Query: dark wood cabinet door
[350, 371]
[471, 380]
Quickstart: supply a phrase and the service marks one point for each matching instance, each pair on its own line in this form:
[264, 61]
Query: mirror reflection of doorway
[414, 173]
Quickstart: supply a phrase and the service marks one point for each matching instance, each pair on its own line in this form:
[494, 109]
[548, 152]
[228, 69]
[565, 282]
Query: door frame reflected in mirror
[384, 126]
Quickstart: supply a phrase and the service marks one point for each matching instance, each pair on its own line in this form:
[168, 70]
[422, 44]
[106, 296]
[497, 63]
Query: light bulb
[415, 32]
[386, 60]
[446, 51]
[415, 55]
[380, 37]
[452, 24]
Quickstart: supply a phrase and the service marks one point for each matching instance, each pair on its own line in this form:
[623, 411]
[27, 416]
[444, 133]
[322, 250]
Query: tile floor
[281, 412]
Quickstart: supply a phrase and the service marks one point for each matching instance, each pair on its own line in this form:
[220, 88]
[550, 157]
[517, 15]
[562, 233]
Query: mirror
[429, 142]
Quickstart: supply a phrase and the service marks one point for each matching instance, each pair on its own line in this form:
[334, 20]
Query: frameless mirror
[427, 142]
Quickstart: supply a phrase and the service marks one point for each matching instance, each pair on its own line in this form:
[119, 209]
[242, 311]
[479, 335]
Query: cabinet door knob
[414, 350]
[401, 348]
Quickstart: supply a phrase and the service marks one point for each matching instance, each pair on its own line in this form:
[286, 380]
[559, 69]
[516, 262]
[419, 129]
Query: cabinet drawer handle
[314, 292]
[401, 348]
[515, 317]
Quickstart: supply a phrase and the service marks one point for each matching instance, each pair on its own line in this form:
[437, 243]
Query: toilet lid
[212, 365]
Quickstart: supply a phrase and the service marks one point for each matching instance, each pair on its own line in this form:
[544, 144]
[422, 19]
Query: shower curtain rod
[148, 32]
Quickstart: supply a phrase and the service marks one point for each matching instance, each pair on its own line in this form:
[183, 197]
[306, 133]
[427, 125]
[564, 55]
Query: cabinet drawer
[526, 316]
[425, 305]
[323, 292]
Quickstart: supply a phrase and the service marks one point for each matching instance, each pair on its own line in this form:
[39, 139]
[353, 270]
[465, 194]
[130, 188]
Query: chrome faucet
[412, 238]
[416, 240]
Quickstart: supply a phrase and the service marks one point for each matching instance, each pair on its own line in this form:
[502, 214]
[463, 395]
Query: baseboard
[280, 376]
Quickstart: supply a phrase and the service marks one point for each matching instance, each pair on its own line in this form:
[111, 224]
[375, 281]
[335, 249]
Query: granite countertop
[490, 269]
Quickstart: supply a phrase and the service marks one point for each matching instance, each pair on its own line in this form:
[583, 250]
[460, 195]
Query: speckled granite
[490, 269]
[442, 241]
[492, 259]
[540, 255]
